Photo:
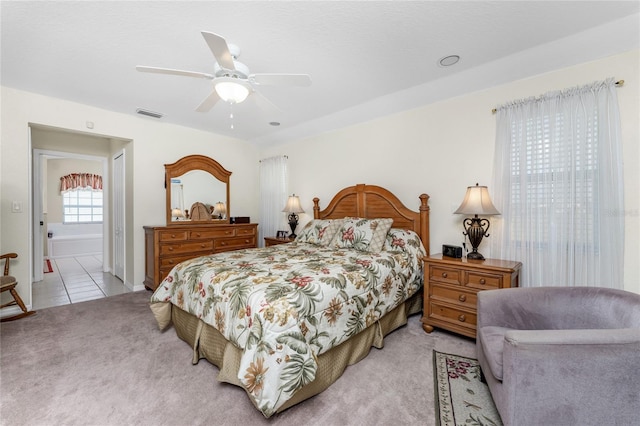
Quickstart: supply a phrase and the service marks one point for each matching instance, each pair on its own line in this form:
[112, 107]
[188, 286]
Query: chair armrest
[621, 336]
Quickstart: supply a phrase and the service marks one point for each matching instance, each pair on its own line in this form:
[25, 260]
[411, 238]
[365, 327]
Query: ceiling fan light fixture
[231, 90]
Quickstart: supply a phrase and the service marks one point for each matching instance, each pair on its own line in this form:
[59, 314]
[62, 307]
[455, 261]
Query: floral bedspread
[283, 305]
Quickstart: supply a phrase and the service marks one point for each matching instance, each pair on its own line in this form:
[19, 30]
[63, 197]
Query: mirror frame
[187, 164]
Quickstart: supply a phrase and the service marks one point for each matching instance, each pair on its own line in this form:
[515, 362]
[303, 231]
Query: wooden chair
[9, 283]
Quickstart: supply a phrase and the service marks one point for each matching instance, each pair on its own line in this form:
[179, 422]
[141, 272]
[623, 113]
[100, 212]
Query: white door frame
[37, 231]
[119, 208]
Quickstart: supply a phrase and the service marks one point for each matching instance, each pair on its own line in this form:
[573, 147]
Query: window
[558, 184]
[82, 206]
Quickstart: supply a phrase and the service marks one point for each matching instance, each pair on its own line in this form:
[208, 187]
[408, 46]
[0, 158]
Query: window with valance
[76, 181]
[81, 198]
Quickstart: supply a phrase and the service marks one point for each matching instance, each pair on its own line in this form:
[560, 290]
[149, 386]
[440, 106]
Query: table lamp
[476, 202]
[293, 208]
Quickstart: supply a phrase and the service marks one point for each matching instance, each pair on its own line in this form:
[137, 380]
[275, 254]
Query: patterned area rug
[47, 266]
[460, 397]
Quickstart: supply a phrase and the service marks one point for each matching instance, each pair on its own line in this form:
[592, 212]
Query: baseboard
[10, 311]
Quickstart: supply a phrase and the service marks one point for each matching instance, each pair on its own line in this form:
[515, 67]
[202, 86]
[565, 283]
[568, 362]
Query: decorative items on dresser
[166, 246]
[451, 286]
[273, 241]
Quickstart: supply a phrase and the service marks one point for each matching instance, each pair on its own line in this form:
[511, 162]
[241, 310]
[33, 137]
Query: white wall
[155, 143]
[442, 148]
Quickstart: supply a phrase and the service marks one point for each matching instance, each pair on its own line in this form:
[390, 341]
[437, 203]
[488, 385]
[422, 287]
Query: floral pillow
[319, 231]
[362, 234]
[404, 240]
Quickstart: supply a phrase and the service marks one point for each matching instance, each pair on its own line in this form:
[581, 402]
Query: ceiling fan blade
[208, 102]
[265, 104]
[281, 79]
[157, 70]
[220, 50]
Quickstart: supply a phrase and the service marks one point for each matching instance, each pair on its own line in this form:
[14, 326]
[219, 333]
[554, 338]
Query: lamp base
[475, 255]
[293, 226]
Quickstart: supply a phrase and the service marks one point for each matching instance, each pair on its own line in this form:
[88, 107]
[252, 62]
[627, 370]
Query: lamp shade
[220, 209]
[176, 213]
[477, 201]
[293, 205]
[231, 90]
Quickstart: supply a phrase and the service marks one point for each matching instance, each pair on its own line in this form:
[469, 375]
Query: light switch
[16, 207]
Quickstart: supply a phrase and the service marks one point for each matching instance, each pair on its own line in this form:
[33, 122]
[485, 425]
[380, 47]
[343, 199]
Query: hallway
[73, 280]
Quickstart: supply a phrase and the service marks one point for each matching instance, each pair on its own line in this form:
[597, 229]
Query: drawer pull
[246, 241]
[173, 235]
[170, 262]
[444, 275]
[228, 232]
[462, 318]
[482, 281]
[462, 298]
[170, 248]
[223, 243]
[203, 245]
[197, 235]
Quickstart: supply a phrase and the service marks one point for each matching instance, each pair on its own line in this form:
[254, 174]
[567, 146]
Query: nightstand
[451, 286]
[273, 241]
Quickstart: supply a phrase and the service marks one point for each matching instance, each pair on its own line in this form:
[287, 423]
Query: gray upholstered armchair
[561, 355]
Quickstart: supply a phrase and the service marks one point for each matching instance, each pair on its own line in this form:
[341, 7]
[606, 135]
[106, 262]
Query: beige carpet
[104, 362]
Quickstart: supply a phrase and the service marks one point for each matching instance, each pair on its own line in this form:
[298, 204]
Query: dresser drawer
[234, 243]
[212, 233]
[483, 281]
[188, 247]
[452, 315]
[445, 275]
[170, 262]
[246, 231]
[455, 296]
[172, 236]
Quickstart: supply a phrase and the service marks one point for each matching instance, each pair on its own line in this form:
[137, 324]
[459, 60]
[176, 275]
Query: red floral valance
[76, 181]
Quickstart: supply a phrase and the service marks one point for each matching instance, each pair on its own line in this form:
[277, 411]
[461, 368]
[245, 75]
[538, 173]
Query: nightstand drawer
[482, 281]
[445, 275]
[452, 315]
[454, 296]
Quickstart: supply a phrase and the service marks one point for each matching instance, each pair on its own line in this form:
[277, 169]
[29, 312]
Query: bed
[283, 322]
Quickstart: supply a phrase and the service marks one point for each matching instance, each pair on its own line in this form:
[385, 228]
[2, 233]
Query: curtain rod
[617, 83]
[283, 156]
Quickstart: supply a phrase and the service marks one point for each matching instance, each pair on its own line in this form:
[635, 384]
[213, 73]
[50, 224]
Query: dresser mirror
[197, 191]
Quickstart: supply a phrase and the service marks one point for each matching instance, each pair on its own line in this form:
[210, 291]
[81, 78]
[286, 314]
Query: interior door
[118, 216]
[38, 216]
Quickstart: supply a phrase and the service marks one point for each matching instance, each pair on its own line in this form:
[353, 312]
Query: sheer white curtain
[558, 184]
[273, 196]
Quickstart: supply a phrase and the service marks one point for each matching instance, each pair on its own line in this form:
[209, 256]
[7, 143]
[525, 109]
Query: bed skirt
[208, 343]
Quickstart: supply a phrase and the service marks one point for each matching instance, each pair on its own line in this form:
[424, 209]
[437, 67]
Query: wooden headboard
[370, 201]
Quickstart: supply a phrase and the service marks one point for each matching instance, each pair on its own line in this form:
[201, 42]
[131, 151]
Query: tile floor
[73, 280]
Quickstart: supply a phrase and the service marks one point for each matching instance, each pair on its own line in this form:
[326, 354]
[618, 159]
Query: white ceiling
[366, 58]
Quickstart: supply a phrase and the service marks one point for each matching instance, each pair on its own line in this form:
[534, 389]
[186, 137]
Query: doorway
[49, 144]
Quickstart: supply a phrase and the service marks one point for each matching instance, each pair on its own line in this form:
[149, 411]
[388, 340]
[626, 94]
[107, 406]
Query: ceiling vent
[149, 113]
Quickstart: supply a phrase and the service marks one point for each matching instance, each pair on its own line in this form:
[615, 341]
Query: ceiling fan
[231, 79]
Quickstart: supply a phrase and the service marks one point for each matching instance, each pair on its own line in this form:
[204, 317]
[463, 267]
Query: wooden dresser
[166, 246]
[451, 286]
